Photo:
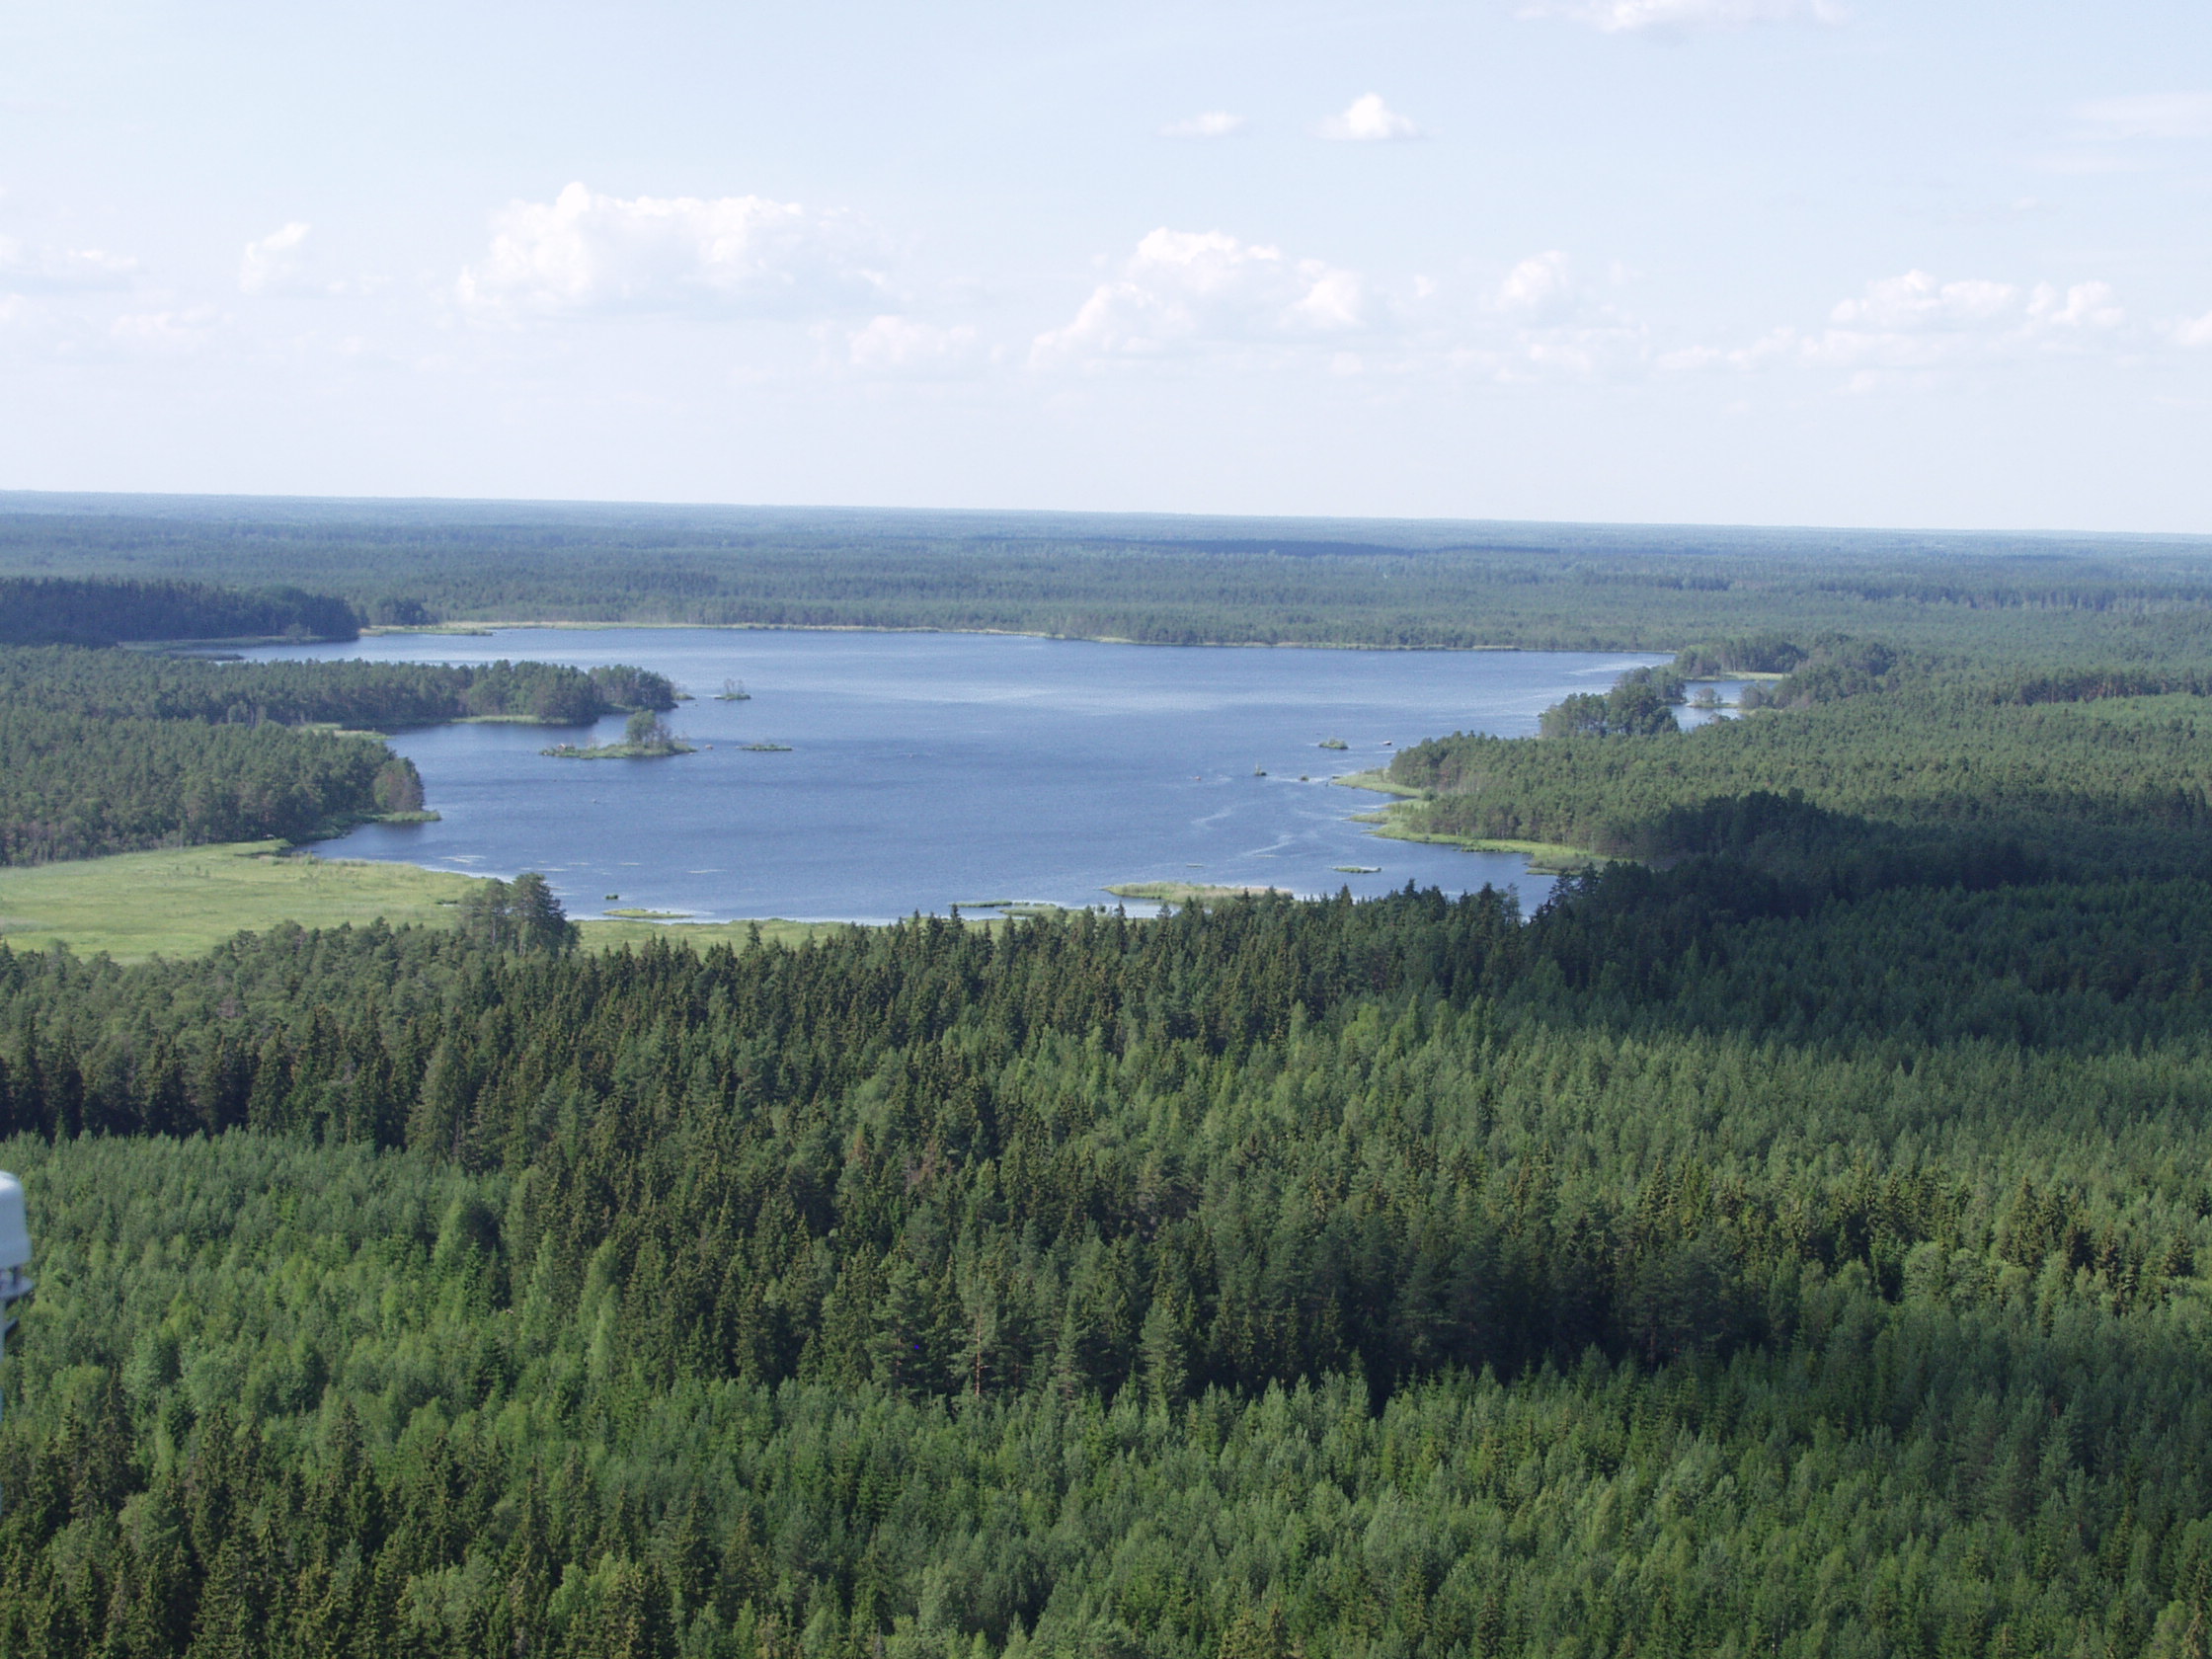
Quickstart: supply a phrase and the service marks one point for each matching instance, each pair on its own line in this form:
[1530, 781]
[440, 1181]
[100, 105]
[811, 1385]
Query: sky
[1942, 264]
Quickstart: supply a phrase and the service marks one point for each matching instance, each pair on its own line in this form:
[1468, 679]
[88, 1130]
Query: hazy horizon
[1163, 524]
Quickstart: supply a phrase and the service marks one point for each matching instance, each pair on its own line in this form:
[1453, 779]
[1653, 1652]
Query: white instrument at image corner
[15, 1252]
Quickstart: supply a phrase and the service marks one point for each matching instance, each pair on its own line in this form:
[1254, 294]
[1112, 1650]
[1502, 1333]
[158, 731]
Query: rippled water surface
[927, 770]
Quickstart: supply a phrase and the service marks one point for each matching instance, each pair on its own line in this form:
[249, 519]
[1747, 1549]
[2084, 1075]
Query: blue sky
[1849, 262]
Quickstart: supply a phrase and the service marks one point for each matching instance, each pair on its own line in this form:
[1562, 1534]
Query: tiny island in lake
[645, 738]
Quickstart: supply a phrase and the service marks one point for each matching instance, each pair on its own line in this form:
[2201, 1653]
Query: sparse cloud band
[1207, 123]
[584, 252]
[1684, 16]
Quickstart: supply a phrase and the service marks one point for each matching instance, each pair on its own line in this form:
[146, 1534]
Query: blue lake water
[928, 770]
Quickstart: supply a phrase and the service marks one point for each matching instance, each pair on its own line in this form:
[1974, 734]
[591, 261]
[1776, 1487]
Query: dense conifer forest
[1789, 1242]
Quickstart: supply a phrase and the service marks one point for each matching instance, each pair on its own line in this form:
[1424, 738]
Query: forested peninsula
[1789, 1238]
[105, 750]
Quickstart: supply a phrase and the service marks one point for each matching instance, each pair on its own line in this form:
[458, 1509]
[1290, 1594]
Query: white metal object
[15, 1252]
[15, 1226]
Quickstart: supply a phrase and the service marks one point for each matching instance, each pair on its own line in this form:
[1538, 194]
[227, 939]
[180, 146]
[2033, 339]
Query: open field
[185, 901]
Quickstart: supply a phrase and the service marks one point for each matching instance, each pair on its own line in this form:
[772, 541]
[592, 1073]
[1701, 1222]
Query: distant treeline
[1168, 581]
[53, 610]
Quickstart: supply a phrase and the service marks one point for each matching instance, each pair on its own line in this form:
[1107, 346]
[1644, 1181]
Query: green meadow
[180, 901]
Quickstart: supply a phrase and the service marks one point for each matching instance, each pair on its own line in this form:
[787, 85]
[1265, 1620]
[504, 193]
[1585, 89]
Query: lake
[929, 770]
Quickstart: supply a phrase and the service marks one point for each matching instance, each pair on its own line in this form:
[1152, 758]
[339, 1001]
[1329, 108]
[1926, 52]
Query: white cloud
[1188, 290]
[2192, 331]
[1539, 288]
[1917, 322]
[1369, 120]
[1682, 16]
[1917, 301]
[2084, 305]
[1916, 304]
[273, 262]
[25, 269]
[164, 331]
[1208, 124]
[1543, 323]
[2149, 114]
[733, 254]
[890, 345]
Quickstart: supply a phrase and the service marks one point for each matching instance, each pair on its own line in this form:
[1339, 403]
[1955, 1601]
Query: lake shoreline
[484, 630]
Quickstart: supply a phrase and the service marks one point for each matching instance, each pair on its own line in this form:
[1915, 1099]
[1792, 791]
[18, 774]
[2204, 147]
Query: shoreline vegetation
[1185, 892]
[1391, 822]
[620, 751]
[645, 738]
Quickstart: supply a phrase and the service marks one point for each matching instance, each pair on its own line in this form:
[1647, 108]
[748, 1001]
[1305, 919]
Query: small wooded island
[645, 738]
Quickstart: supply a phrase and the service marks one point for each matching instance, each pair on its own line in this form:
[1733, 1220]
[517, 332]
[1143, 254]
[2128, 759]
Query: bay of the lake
[928, 770]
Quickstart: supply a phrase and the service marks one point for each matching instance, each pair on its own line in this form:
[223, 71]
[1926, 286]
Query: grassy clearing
[189, 899]
[1377, 779]
[1545, 859]
[185, 901]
